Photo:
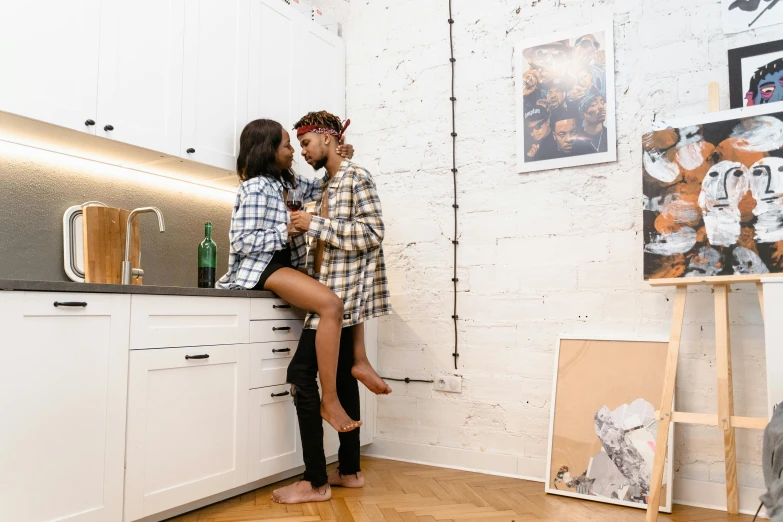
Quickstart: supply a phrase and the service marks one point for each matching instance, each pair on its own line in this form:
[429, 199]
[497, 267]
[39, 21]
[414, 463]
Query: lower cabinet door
[187, 431]
[273, 434]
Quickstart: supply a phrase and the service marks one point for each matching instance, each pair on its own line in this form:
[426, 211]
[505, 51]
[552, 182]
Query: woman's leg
[308, 294]
[362, 369]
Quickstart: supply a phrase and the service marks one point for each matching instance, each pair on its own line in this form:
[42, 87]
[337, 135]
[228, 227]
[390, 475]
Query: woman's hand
[346, 151]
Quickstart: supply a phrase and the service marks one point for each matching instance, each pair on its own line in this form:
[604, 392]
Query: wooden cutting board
[104, 244]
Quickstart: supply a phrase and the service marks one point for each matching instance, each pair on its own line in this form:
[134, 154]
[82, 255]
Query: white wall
[541, 255]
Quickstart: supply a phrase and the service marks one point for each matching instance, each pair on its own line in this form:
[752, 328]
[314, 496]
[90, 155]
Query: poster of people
[565, 99]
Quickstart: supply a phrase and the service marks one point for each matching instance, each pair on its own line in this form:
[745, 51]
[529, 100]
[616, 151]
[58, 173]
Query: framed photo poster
[565, 99]
[756, 74]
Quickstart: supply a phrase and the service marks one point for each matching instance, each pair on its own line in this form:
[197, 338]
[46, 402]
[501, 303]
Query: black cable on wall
[454, 241]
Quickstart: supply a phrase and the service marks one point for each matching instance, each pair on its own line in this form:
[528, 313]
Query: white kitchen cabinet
[63, 389]
[274, 444]
[274, 32]
[187, 426]
[275, 330]
[162, 77]
[319, 79]
[166, 321]
[269, 363]
[215, 88]
[140, 73]
[49, 60]
[308, 63]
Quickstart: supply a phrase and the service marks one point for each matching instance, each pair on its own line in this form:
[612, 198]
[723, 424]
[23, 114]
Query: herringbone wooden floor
[400, 492]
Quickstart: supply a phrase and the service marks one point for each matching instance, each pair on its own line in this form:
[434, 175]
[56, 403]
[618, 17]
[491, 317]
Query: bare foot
[346, 481]
[300, 493]
[365, 374]
[333, 413]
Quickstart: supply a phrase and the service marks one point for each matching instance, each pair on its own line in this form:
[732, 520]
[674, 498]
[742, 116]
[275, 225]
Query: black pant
[302, 373]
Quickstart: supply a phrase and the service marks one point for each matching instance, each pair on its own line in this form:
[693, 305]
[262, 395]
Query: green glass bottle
[207, 259]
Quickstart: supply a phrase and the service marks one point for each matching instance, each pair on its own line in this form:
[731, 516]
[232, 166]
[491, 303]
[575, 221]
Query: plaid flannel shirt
[353, 266]
[259, 229]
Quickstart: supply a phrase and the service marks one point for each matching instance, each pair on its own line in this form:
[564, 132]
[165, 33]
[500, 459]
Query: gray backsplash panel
[36, 188]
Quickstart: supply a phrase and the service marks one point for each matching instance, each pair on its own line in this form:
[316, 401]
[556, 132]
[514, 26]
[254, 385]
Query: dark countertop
[68, 286]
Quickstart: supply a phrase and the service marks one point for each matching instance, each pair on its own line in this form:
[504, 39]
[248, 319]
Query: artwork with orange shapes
[713, 196]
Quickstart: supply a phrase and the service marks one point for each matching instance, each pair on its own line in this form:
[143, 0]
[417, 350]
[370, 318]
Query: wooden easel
[725, 419]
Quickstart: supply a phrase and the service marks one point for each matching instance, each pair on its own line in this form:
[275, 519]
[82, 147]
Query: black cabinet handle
[58, 304]
[280, 328]
[205, 356]
[109, 128]
[281, 306]
[89, 123]
[281, 394]
[281, 350]
[191, 150]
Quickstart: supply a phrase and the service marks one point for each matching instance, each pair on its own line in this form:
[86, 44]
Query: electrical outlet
[449, 383]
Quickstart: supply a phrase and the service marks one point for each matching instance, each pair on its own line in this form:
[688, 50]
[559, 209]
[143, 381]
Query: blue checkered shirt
[259, 229]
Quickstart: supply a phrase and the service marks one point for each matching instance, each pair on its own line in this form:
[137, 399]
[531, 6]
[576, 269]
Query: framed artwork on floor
[565, 96]
[756, 74]
[603, 429]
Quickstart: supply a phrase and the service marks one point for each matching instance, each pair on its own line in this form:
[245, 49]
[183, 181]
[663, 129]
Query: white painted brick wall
[543, 254]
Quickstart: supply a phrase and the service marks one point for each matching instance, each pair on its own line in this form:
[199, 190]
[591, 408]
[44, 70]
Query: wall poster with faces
[565, 99]
[756, 74]
[713, 195]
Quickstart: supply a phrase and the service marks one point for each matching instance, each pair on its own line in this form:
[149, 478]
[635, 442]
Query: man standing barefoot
[346, 256]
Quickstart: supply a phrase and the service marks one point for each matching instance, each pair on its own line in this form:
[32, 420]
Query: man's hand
[292, 231]
[301, 220]
[533, 150]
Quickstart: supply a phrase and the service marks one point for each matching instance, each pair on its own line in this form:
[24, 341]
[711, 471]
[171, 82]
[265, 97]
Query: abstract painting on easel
[713, 196]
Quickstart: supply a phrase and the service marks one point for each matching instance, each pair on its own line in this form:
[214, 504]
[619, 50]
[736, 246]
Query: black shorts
[280, 259]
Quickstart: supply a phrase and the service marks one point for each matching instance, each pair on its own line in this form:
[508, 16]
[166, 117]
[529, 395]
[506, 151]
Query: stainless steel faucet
[128, 272]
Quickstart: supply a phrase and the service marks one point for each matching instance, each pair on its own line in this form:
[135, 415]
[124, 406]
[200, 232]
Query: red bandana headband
[317, 129]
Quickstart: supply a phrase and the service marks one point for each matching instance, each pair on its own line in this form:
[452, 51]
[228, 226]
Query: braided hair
[321, 119]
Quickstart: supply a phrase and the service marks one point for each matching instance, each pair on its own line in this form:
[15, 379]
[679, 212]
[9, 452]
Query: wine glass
[293, 199]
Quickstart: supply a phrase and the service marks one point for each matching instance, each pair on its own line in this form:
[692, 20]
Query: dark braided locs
[322, 119]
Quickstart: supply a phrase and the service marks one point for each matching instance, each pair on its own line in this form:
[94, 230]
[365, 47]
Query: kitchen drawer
[273, 309]
[175, 321]
[275, 331]
[51, 304]
[269, 362]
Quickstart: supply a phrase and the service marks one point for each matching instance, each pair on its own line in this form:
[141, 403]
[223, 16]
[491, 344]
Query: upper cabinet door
[140, 73]
[49, 61]
[214, 109]
[273, 30]
[319, 76]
